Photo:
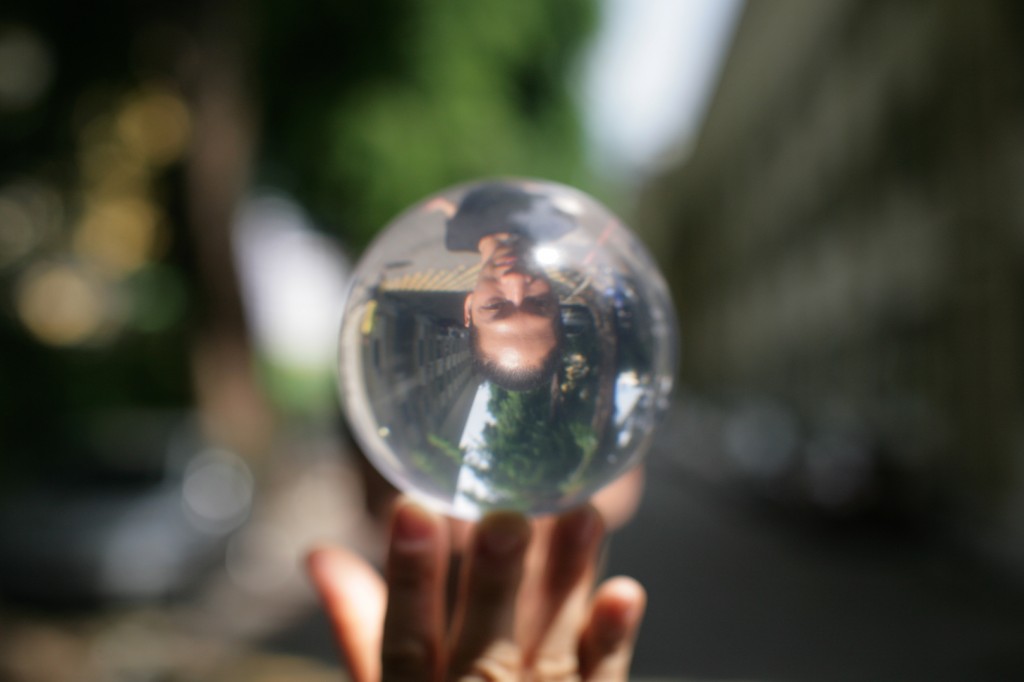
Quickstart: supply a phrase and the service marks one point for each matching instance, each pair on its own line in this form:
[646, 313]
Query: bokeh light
[31, 213]
[154, 123]
[106, 167]
[60, 304]
[119, 236]
[26, 68]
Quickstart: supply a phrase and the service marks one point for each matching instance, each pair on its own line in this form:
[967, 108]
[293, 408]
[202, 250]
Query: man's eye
[493, 305]
[538, 305]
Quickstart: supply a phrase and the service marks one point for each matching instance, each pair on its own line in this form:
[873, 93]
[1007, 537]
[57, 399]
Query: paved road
[739, 592]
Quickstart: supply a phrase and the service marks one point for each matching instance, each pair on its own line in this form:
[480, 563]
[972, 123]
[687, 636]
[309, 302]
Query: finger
[353, 595]
[606, 647]
[529, 607]
[413, 641]
[560, 604]
[484, 637]
[619, 500]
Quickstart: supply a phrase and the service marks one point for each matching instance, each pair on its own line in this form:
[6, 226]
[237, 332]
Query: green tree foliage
[361, 108]
[531, 444]
[370, 106]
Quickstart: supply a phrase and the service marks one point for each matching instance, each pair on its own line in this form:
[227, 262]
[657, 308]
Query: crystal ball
[506, 344]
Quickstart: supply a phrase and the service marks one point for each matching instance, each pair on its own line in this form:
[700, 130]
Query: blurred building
[846, 240]
[417, 367]
[418, 334]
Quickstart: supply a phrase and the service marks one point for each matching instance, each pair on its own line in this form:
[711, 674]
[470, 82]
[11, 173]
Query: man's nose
[514, 285]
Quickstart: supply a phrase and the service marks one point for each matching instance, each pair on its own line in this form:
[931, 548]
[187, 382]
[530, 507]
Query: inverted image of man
[512, 313]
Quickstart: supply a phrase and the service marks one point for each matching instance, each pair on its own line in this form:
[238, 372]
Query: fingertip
[317, 556]
[618, 501]
[503, 534]
[619, 606]
[418, 548]
[622, 588]
[313, 558]
[607, 645]
[413, 527]
[320, 561]
[579, 527]
[338, 572]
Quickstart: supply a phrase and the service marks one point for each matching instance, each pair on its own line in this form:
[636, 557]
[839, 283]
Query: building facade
[847, 237]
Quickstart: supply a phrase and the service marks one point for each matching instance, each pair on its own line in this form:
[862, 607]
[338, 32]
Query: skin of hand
[525, 607]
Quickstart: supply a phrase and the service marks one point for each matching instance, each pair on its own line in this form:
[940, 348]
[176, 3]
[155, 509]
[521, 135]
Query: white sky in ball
[649, 75]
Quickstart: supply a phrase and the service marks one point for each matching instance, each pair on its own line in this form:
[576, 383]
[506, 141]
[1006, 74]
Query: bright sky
[649, 75]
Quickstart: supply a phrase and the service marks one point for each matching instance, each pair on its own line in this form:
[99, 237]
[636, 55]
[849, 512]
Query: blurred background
[830, 188]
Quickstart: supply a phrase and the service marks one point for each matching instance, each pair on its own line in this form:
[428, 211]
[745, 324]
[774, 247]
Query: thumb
[354, 596]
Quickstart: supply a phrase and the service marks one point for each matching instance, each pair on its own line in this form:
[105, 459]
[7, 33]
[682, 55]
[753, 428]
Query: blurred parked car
[144, 519]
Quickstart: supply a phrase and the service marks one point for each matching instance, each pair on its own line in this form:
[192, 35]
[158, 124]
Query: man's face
[512, 308]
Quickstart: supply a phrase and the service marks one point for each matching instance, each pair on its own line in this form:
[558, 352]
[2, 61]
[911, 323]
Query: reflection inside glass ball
[506, 344]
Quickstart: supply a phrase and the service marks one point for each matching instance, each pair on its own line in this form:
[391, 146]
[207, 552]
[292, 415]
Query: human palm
[524, 609]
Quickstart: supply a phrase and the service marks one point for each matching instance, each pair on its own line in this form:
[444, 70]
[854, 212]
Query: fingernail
[412, 528]
[504, 534]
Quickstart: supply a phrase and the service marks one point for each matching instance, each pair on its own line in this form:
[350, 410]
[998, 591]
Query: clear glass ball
[506, 344]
